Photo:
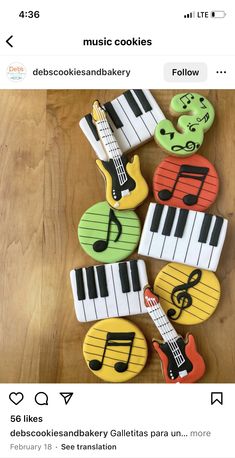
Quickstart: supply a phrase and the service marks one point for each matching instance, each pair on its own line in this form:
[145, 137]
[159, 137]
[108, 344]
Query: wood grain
[48, 178]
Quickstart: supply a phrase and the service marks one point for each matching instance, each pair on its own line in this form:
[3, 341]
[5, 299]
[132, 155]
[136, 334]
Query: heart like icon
[16, 398]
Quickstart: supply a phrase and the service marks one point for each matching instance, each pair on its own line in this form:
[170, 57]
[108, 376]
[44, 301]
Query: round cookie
[188, 295]
[115, 350]
[188, 137]
[191, 182]
[108, 235]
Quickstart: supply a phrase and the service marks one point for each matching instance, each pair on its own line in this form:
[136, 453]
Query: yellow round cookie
[115, 350]
[187, 294]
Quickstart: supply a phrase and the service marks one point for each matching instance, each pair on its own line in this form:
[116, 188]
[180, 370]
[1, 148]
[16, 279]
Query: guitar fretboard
[111, 146]
[165, 328]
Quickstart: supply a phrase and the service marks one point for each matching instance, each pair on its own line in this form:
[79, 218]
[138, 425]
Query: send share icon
[66, 397]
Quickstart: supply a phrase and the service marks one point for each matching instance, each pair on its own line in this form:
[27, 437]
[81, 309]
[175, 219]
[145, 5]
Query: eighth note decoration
[188, 295]
[190, 182]
[180, 359]
[115, 350]
[108, 235]
[196, 117]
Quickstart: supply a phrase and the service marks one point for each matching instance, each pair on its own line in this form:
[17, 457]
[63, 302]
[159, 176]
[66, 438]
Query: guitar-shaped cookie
[125, 186]
[180, 360]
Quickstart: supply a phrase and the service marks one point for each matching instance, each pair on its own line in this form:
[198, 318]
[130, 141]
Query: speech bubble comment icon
[41, 398]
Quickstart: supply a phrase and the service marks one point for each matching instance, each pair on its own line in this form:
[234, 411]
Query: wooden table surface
[48, 178]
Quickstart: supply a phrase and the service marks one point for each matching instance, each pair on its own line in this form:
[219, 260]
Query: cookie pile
[176, 229]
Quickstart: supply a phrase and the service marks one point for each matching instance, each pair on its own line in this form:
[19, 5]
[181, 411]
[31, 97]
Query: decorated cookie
[186, 236]
[108, 235]
[115, 350]
[196, 117]
[181, 362]
[190, 182]
[188, 295]
[109, 290]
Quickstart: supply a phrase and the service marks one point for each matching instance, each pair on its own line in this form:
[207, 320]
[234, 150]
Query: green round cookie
[108, 235]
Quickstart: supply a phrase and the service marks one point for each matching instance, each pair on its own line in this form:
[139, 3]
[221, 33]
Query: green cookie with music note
[109, 235]
[196, 115]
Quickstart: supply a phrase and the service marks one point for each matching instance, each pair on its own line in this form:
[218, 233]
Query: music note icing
[101, 245]
[188, 172]
[115, 339]
[171, 134]
[182, 300]
[186, 100]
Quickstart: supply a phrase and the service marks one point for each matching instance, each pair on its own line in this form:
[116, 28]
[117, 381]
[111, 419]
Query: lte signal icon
[190, 15]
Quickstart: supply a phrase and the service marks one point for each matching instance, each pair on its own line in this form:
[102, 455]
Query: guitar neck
[160, 319]
[108, 140]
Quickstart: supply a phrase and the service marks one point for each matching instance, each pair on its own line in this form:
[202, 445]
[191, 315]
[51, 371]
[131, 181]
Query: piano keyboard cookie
[132, 117]
[196, 117]
[190, 182]
[115, 350]
[188, 295]
[109, 290]
[108, 235]
[184, 236]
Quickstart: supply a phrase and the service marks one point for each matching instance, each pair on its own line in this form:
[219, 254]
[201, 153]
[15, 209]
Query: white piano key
[78, 305]
[137, 123]
[158, 241]
[112, 299]
[100, 302]
[123, 307]
[128, 129]
[170, 244]
[146, 117]
[147, 235]
[156, 111]
[89, 304]
[206, 249]
[134, 296]
[184, 242]
[194, 249]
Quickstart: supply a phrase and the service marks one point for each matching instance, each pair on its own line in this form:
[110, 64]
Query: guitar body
[194, 363]
[133, 192]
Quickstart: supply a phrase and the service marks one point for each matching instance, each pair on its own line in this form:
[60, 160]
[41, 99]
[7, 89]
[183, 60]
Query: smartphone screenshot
[117, 247]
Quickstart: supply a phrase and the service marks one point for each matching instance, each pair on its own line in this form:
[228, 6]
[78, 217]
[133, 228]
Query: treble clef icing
[189, 146]
[180, 296]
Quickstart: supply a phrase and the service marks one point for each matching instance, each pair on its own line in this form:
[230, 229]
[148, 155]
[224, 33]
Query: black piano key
[169, 221]
[135, 276]
[216, 231]
[80, 285]
[102, 281]
[90, 276]
[123, 274]
[92, 126]
[205, 228]
[132, 103]
[143, 100]
[181, 223]
[113, 115]
[156, 217]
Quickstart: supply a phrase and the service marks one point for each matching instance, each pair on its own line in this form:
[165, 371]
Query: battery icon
[218, 14]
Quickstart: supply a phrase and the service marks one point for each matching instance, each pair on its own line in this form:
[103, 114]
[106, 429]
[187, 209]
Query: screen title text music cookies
[132, 41]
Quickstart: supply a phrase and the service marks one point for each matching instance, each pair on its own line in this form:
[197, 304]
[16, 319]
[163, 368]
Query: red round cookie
[190, 182]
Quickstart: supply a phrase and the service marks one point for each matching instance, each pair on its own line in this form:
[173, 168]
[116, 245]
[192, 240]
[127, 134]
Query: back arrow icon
[8, 41]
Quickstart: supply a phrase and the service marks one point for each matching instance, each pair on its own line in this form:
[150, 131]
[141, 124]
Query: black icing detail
[172, 368]
[115, 339]
[156, 217]
[132, 103]
[80, 285]
[123, 274]
[102, 281]
[101, 245]
[113, 115]
[143, 100]
[117, 189]
[181, 223]
[180, 296]
[92, 126]
[169, 221]
[189, 146]
[216, 231]
[92, 292]
[205, 228]
[135, 275]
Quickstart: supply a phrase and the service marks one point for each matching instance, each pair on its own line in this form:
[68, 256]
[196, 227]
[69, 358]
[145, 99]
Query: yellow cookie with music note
[108, 235]
[115, 350]
[187, 294]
